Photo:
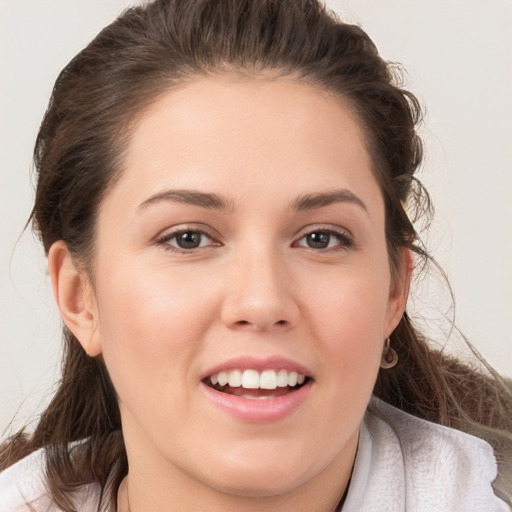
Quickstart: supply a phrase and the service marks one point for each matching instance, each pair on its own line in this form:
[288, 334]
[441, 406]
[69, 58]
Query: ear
[75, 298]
[399, 291]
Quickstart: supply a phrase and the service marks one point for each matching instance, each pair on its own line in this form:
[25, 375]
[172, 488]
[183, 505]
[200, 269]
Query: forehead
[244, 135]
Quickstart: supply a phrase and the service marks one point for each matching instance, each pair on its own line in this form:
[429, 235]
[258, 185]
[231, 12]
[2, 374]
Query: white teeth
[251, 379]
[235, 378]
[282, 379]
[292, 379]
[268, 379]
[223, 378]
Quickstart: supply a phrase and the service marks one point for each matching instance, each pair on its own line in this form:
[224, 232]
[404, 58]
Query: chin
[261, 477]
[259, 486]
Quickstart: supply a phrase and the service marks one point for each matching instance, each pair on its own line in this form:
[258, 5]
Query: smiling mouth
[256, 385]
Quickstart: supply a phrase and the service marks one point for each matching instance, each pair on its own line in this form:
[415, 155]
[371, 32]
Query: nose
[260, 295]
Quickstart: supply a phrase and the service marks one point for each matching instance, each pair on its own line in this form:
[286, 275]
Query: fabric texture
[403, 464]
[408, 464]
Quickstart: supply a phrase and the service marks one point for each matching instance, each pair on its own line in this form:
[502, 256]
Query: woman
[221, 195]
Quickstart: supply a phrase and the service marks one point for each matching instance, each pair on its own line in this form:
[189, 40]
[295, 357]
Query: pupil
[319, 240]
[188, 240]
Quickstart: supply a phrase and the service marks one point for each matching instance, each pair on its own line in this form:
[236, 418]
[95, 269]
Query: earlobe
[75, 298]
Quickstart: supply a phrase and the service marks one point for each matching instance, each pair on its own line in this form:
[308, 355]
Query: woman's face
[243, 241]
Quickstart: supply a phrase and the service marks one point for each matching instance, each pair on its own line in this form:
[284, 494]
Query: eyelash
[166, 239]
[344, 238]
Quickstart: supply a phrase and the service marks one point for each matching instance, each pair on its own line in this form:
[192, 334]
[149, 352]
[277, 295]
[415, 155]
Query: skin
[161, 317]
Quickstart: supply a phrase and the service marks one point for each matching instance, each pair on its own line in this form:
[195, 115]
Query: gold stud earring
[389, 356]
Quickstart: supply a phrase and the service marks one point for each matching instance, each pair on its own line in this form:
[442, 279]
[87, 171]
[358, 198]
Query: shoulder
[423, 466]
[23, 487]
[23, 483]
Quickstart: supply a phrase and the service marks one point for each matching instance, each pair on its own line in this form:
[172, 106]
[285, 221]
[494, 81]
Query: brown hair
[79, 151]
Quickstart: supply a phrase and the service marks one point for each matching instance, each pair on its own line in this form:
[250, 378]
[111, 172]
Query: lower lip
[258, 411]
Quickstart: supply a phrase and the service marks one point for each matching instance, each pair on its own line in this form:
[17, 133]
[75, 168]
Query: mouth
[254, 385]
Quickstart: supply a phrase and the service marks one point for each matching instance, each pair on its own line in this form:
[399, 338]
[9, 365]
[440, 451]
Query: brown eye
[318, 240]
[189, 239]
[325, 240]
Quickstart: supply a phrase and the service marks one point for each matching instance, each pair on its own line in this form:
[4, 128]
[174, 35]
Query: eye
[324, 239]
[186, 240]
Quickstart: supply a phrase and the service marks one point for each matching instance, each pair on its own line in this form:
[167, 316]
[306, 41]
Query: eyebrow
[216, 202]
[322, 199]
[193, 197]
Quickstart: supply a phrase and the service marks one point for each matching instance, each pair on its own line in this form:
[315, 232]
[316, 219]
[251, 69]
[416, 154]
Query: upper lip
[259, 364]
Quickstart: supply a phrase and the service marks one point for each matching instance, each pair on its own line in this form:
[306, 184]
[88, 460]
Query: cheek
[348, 317]
[349, 299]
[149, 327]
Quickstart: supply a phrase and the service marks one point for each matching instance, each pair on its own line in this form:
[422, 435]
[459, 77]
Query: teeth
[235, 378]
[282, 379]
[251, 379]
[268, 379]
[292, 379]
[222, 378]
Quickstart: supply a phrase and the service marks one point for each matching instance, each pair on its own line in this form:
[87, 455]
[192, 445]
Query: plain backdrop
[458, 55]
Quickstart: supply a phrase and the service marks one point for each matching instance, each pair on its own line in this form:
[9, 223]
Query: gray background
[458, 55]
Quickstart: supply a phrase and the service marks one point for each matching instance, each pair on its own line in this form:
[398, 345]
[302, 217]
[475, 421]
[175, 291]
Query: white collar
[404, 463]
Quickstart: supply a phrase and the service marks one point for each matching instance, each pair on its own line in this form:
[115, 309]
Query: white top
[403, 464]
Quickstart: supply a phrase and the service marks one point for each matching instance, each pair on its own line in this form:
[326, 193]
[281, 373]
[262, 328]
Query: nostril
[245, 323]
